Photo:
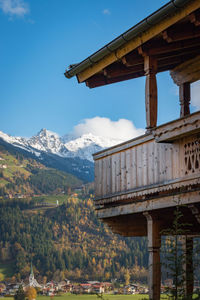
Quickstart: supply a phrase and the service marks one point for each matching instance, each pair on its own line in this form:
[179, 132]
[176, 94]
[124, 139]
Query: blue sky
[40, 38]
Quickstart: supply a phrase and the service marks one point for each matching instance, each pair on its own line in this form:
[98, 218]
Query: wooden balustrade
[144, 166]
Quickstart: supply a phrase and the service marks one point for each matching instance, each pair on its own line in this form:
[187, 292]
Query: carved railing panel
[192, 156]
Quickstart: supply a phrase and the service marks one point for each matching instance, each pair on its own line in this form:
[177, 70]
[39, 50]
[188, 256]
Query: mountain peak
[46, 132]
[66, 146]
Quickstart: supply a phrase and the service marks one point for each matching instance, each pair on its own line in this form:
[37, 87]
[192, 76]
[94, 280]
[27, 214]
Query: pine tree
[175, 256]
[20, 294]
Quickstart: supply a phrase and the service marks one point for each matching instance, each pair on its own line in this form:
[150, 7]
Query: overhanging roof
[122, 58]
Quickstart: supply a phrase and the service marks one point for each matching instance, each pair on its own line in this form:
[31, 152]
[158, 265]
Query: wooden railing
[166, 159]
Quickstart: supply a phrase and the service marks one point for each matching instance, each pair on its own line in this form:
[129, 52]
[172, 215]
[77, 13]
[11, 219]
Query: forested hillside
[67, 241]
[20, 174]
[47, 217]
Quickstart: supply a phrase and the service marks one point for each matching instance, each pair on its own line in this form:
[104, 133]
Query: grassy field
[6, 269]
[52, 198]
[90, 297]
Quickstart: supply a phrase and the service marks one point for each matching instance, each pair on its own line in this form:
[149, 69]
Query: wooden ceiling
[178, 44]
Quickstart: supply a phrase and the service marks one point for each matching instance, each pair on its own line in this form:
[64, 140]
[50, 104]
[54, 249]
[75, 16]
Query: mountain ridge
[67, 146]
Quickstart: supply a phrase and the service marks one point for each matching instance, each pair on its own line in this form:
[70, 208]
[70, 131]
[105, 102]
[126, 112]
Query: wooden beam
[131, 60]
[188, 71]
[103, 80]
[154, 243]
[195, 18]
[138, 40]
[119, 69]
[181, 32]
[184, 97]
[149, 205]
[119, 72]
[166, 36]
[150, 67]
[178, 129]
[156, 48]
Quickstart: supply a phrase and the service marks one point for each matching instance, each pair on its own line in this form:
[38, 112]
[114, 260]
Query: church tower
[32, 281]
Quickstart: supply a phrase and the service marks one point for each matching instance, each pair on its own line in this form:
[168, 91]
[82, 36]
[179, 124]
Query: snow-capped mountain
[67, 146]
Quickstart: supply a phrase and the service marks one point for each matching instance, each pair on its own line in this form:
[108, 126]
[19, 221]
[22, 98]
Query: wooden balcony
[152, 172]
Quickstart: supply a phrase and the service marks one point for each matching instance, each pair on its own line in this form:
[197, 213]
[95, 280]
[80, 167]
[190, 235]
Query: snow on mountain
[66, 146]
[47, 141]
[88, 144]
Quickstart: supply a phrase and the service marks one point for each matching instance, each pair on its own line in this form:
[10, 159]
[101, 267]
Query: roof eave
[110, 49]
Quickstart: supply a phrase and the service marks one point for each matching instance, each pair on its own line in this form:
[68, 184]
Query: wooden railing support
[184, 97]
[154, 243]
[150, 68]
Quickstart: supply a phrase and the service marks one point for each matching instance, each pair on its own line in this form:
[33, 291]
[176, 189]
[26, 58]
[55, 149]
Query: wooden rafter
[195, 18]
[181, 32]
[188, 71]
[161, 47]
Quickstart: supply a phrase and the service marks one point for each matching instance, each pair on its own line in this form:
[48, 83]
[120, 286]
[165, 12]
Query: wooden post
[154, 243]
[184, 97]
[189, 276]
[150, 68]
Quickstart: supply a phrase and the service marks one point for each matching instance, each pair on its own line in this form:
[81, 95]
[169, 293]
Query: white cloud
[106, 11]
[122, 129]
[195, 94]
[14, 7]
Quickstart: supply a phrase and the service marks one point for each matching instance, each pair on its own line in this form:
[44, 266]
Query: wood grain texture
[188, 71]
[149, 167]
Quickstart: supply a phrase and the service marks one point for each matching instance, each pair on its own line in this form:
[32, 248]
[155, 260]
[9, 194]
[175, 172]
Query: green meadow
[6, 269]
[90, 297]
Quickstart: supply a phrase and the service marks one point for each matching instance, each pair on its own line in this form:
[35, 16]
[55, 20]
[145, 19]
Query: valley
[47, 217]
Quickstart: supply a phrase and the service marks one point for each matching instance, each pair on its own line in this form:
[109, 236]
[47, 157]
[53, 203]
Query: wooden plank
[161, 162]
[134, 167]
[157, 163]
[109, 176]
[151, 163]
[122, 147]
[96, 178]
[176, 161]
[138, 40]
[150, 205]
[188, 71]
[169, 162]
[104, 176]
[169, 185]
[181, 157]
[145, 164]
[123, 171]
[128, 169]
[139, 166]
[179, 128]
[118, 172]
[100, 177]
[113, 157]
